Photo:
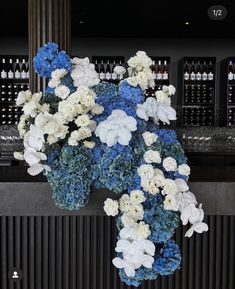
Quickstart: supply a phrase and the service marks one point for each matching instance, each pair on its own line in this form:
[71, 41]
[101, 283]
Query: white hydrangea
[58, 74]
[140, 61]
[97, 109]
[78, 135]
[116, 128]
[146, 172]
[23, 96]
[162, 97]
[184, 170]
[62, 91]
[111, 207]
[53, 83]
[169, 90]
[83, 73]
[119, 70]
[82, 120]
[149, 138]
[169, 164]
[89, 144]
[151, 156]
[22, 125]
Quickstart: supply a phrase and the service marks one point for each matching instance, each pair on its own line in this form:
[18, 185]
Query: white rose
[124, 203]
[84, 132]
[159, 180]
[19, 156]
[151, 156]
[162, 97]
[62, 91]
[137, 197]
[150, 187]
[111, 207]
[169, 164]
[89, 144]
[82, 120]
[21, 98]
[149, 138]
[136, 212]
[29, 108]
[169, 187]
[142, 230]
[146, 172]
[127, 221]
[170, 90]
[53, 83]
[97, 109]
[184, 170]
[58, 73]
[170, 203]
[132, 81]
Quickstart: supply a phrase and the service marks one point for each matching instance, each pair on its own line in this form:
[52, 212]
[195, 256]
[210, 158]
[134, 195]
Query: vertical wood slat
[49, 20]
[76, 252]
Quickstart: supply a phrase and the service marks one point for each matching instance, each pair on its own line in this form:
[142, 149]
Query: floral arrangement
[82, 133]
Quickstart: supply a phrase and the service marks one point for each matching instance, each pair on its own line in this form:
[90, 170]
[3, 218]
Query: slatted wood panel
[75, 252]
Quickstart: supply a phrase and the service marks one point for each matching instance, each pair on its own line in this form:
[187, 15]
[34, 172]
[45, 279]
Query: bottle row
[8, 93]
[231, 116]
[198, 116]
[14, 68]
[231, 95]
[106, 71]
[198, 71]
[231, 70]
[198, 94]
[10, 115]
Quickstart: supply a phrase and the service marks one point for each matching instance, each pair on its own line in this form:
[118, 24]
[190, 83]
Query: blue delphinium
[70, 176]
[50, 58]
[168, 259]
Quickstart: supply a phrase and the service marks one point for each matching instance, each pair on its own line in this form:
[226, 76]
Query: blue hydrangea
[163, 223]
[167, 136]
[50, 58]
[168, 259]
[130, 93]
[70, 176]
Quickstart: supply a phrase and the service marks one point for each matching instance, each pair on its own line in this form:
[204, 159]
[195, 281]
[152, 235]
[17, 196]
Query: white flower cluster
[61, 91]
[158, 108]
[139, 71]
[119, 70]
[31, 107]
[33, 145]
[83, 72]
[116, 128]
[133, 243]
[176, 192]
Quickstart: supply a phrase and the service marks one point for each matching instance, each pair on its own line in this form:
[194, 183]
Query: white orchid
[116, 128]
[199, 227]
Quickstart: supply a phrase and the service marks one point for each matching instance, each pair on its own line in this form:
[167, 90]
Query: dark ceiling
[131, 18]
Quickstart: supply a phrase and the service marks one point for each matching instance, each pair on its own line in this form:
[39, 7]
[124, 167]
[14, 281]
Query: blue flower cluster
[49, 58]
[130, 93]
[70, 176]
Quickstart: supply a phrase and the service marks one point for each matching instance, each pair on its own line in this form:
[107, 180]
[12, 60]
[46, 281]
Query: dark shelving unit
[197, 98]
[227, 92]
[9, 89]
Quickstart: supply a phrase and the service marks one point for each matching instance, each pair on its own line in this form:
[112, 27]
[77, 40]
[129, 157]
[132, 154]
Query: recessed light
[81, 22]
[186, 23]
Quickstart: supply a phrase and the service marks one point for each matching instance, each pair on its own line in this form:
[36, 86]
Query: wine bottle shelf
[197, 91]
[14, 77]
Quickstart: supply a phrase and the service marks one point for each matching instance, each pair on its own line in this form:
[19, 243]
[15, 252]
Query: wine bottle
[97, 68]
[121, 75]
[153, 69]
[114, 74]
[159, 71]
[102, 70]
[108, 71]
[204, 71]
[210, 75]
[24, 70]
[4, 69]
[10, 73]
[230, 70]
[192, 72]
[198, 71]
[17, 69]
[165, 71]
[186, 71]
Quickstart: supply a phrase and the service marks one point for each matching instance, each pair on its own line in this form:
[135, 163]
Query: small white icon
[15, 275]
